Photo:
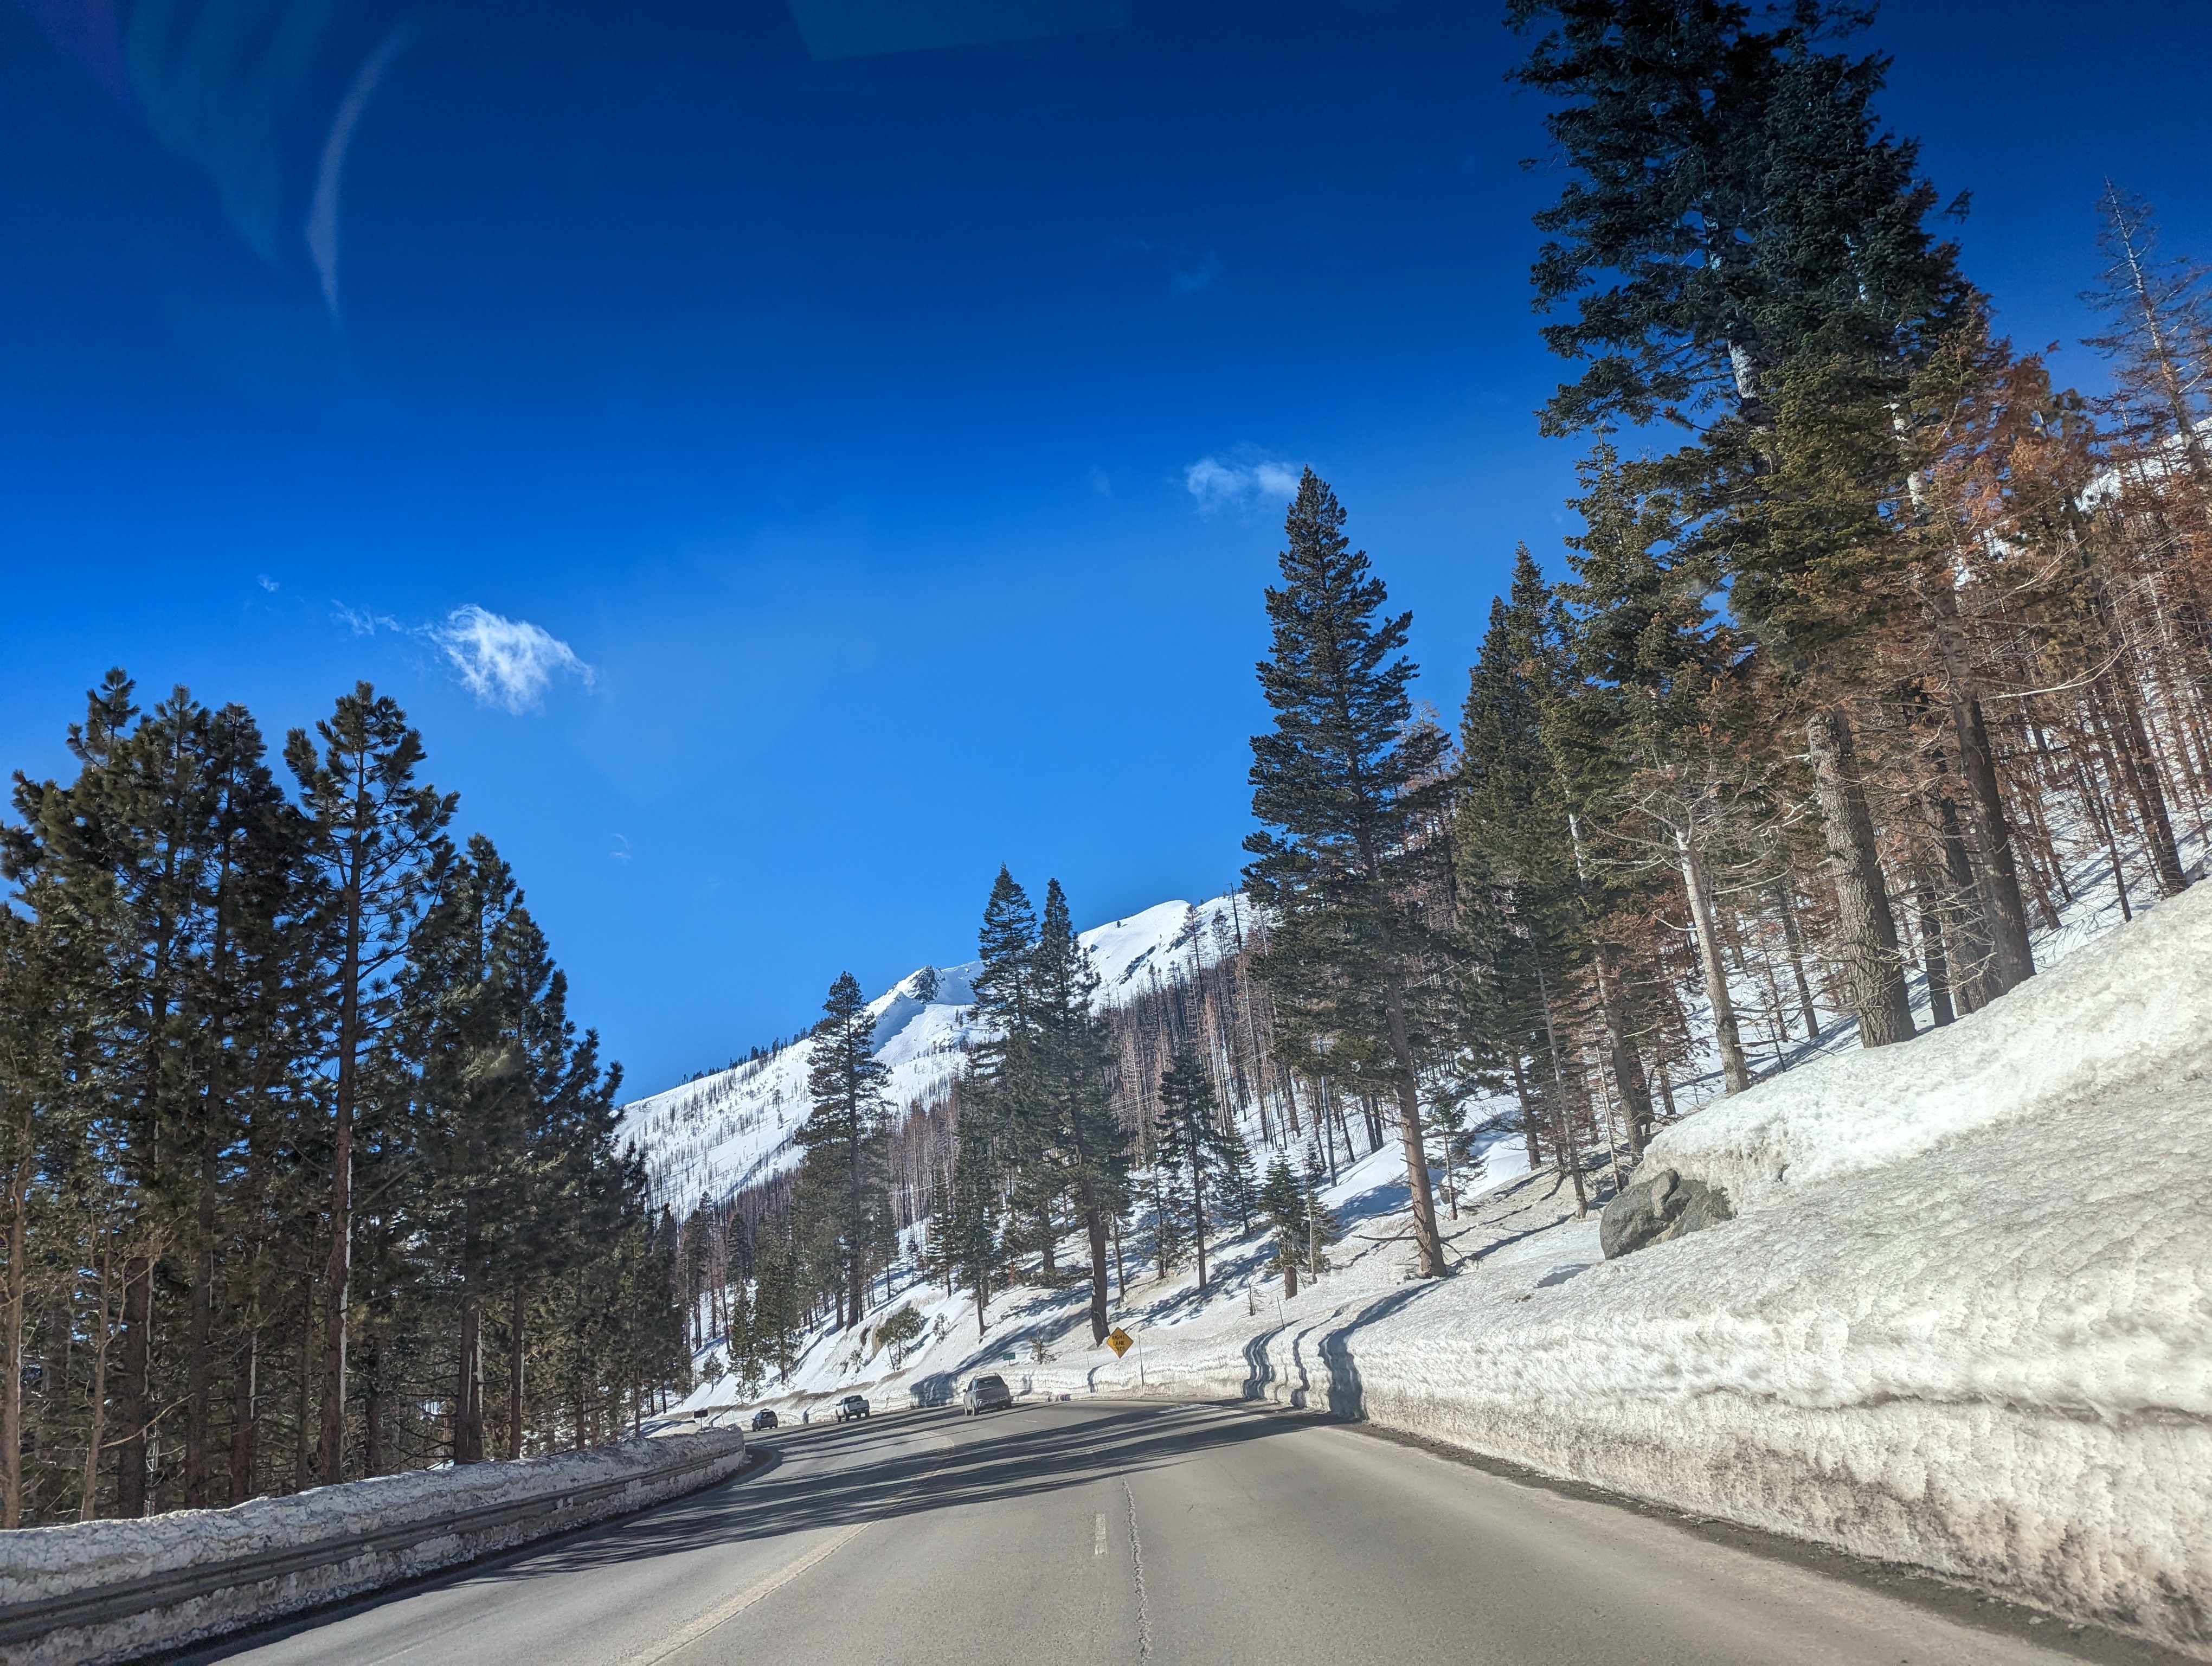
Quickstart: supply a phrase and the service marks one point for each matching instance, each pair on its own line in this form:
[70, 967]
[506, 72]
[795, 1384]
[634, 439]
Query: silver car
[987, 1393]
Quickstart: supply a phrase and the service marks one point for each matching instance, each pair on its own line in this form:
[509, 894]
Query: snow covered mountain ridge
[732, 1128]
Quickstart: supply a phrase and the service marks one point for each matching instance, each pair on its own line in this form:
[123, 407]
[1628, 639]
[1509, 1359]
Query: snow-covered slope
[1962, 1319]
[734, 1128]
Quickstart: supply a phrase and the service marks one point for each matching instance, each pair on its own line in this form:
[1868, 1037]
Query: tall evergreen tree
[1347, 790]
[847, 1144]
[1083, 1145]
[1283, 1205]
[374, 838]
[1188, 1143]
[972, 1232]
[1653, 729]
[1747, 254]
[1522, 926]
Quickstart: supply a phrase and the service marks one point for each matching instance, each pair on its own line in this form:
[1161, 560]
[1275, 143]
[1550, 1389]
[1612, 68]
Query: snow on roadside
[45, 1563]
[1962, 1320]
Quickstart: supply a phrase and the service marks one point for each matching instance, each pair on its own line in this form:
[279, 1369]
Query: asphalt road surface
[1122, 1532]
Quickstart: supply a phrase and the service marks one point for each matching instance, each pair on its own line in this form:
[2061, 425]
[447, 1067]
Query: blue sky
[895, 439]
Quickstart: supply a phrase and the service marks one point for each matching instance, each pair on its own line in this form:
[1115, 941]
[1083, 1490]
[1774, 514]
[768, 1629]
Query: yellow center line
[676, 1642]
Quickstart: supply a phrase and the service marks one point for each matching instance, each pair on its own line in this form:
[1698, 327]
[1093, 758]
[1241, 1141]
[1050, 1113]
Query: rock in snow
[1659, 1205]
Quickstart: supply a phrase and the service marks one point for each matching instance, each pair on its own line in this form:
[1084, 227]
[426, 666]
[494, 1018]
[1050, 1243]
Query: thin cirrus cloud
[507, 663]
[1243, 480]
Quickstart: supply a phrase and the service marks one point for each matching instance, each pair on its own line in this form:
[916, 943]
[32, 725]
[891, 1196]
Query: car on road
[852, 1406]
[763, 1418]
[986, 1392]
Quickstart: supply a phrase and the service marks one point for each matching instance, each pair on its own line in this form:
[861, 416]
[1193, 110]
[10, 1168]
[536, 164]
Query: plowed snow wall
[112, 1591]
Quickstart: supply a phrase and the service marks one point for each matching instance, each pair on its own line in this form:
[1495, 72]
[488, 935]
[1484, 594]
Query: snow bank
[419, 1522]
[2129, 1011]
[1963, 1318]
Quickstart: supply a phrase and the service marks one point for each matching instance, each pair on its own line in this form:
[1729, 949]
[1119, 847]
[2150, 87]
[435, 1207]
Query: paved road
[1116, 1532]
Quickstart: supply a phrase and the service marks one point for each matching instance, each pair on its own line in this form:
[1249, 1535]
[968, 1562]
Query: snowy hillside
[1962, 1319]
[734, 1128]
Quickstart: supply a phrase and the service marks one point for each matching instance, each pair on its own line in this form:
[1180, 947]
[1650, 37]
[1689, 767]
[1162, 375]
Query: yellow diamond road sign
[1120, 1340]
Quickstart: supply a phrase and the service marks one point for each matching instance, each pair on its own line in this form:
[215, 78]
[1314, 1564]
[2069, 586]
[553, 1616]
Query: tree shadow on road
[885, 1474]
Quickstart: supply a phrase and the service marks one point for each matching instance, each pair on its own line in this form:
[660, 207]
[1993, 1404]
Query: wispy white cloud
[1243, 479]
[364, 623]
[268, 583]
[507, 663]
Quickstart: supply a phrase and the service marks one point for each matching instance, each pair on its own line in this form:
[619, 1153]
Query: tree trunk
[1931, 947]
[1735, 1073]
[134, 1390]
[14, 1291]
[371, 1367]
[1570, 1159]
[88, 1497]
[1094, 1221]
[2139, 772]
[199, 1357]
[337, 1275]
[1971, 961]
[303, 1474]
[1627, 1069]
[2012, 957]
[468, 1397]
[1527, 1116]
[515, 1317]
[1426, 1238]
[1794, 939]
[244, 1413]
[1866, 931]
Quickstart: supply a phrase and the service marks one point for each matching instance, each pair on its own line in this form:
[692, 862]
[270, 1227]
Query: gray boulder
[1656, 1206]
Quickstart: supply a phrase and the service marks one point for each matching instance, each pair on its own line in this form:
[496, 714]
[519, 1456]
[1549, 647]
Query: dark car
[987, 1393]
[763, 1418]
[852, 1406]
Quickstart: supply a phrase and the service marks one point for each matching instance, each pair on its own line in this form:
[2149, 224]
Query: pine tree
[175, 1029]
[1004, 1102]
[1283, 1205]
[847, 1144]
[1524, 928]
[1235, 1189]
[373, 837]
[1322, 1228]
[1077, 1140]
[1779, 290]
[1187, 1143]
[1348, 786]
[1652, 728]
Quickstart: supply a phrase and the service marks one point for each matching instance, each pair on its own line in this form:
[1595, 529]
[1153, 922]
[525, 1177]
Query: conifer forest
[310, 1174]
[1868, 641]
